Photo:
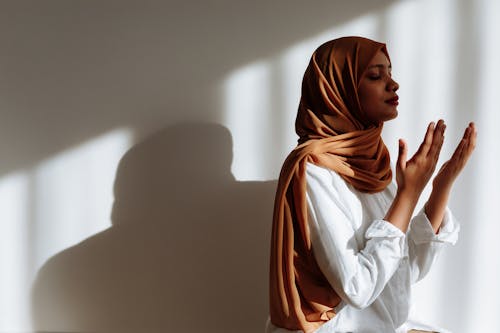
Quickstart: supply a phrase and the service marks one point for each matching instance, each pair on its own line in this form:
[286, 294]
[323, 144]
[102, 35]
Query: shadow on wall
[187, 251]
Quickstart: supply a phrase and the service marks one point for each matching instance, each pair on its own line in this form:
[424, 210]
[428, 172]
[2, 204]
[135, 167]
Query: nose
[392, 85]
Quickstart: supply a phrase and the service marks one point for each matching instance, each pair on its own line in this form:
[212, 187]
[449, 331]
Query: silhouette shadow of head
[187, 251]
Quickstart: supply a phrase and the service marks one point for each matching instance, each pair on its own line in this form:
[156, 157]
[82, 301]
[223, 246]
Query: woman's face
[377, 91]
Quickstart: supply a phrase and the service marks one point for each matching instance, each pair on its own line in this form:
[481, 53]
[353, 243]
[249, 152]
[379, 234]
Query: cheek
[371, 102]
[367, 95]
[371, 94]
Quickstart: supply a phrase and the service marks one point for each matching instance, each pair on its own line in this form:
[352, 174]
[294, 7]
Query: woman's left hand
[446, 176]
[444, 179]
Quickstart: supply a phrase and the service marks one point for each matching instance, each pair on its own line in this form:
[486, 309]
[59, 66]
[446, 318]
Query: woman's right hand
[414, 174]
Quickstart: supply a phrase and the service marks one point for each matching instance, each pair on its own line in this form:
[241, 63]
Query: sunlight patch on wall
[57, 204]
[435, 59]
[74, 193]
[247, 104]
[402, 26]
[14, 247]
[423, 57]
[483, 301]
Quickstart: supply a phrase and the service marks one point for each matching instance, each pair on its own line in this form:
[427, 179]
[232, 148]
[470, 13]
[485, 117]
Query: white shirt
[369, 262]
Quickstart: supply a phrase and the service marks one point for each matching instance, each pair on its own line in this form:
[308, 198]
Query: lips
[393, 101]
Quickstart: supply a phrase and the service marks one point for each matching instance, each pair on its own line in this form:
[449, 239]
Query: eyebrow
[380, 66]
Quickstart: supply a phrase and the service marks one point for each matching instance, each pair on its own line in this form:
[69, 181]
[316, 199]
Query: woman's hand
[451, 169]
[414, 174]
[444, 179]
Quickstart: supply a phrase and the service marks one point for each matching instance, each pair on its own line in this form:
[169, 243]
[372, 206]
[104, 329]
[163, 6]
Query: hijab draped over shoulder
[334, 134]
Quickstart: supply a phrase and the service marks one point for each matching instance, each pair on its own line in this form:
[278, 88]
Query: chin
[388, 118]
[392, 115]
[382, 115]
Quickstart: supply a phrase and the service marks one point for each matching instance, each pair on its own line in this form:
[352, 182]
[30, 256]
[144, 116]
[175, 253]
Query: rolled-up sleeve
[357, 272]
[424, 245]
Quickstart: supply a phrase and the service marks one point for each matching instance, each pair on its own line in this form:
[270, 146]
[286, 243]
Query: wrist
[436, 205]
[407, 199]
[409, 194]
[440, 184]
[441, 189]
[401, 210]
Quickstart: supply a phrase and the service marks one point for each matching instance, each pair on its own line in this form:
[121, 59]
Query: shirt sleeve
[358, 274]
[424, 245]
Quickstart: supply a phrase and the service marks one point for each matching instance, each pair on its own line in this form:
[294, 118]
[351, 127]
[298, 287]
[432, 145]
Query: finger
[465, 139]
[470, 142]
[473, 137]
[460, 155]
[463, 150]
[402, 153]
[437, 141]
[426, 144]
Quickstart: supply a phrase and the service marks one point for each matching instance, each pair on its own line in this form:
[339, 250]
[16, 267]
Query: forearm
[436, 205]
[401, 210]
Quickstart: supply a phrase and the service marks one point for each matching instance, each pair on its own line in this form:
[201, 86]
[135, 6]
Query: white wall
[140, 142]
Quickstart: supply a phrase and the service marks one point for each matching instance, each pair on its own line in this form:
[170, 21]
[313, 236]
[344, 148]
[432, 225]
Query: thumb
[403, 150]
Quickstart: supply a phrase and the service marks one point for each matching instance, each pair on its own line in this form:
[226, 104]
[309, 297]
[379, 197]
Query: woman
[345, 249]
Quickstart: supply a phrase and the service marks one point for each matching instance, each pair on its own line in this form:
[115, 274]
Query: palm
[452, 168]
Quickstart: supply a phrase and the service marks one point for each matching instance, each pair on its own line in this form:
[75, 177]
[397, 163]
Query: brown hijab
[334, 134]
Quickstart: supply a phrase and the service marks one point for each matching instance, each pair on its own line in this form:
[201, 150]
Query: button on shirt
[369, 262]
